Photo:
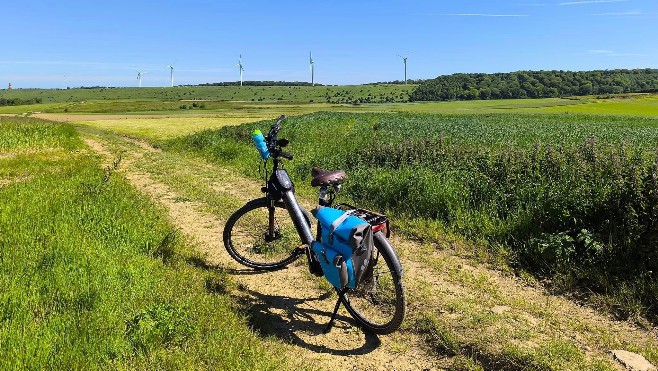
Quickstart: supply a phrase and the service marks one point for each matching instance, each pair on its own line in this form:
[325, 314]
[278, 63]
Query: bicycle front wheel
[260, 237]
[379, 303]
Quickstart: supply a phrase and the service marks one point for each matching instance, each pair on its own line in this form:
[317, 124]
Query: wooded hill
[258, 83]
[536, 84]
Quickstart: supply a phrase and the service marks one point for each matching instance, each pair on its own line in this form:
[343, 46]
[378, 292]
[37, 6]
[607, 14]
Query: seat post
[322, 196]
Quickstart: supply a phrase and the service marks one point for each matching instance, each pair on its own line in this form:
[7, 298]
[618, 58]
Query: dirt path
[472, 310]
[284, 303]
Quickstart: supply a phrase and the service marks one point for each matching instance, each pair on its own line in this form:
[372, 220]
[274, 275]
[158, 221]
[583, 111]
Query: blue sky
[54, 44]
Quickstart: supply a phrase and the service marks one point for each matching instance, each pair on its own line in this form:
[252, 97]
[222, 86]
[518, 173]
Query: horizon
[247, 83]
[76, 44]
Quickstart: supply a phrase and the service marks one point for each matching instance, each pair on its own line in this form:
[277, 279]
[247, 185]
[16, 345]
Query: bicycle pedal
[299, 250]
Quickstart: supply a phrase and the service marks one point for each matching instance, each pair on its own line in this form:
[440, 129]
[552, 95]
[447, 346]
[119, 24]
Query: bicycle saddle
[323, 178]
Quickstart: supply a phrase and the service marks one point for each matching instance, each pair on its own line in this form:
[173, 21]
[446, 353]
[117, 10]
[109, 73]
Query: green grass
[28, 135]
[92, 276]
[474, 353]
[641, 105]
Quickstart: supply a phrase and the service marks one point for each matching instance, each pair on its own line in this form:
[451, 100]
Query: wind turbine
[311, 63]
[405, 67]
[241, 68]
[171, 74]
[139, 77]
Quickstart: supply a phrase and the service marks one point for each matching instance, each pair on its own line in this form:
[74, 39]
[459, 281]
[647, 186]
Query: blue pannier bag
[345, 248]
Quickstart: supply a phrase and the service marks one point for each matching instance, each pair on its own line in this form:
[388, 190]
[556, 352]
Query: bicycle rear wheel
[250, 241]
[379, 303]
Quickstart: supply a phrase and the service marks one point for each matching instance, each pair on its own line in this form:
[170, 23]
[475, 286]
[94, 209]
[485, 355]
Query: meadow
[261, 102]
[567, 197]
[477, 169]
[377, 93]
[560, 189]
[92, 275]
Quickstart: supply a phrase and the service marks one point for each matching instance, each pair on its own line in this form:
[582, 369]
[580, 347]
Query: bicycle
[260, 234]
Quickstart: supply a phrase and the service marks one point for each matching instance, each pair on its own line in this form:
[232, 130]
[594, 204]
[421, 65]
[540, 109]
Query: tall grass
[30, 134]
[92, 275]
[571, 197]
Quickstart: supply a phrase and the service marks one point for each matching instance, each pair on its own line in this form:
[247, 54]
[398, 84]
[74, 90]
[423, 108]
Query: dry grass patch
[166, 128]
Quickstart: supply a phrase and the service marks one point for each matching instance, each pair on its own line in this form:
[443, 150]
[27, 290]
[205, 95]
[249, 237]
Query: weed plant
[92, 276]
[568, 197]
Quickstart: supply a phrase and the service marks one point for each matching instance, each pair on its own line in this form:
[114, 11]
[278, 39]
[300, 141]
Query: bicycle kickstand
[333, 315]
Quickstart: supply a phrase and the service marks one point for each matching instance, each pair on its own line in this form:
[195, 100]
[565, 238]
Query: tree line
[536, 84]
[397, 82]
[18, 101]
[259, 83]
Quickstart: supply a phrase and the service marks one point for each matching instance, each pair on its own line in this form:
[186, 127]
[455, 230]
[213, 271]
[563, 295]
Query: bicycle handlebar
[274, 129]
[272, 140]
[278, 122]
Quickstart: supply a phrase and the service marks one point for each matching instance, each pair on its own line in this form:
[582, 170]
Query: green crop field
[571, 196]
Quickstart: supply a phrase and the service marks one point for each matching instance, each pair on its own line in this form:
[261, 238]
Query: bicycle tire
[378, 311]
[245, 236]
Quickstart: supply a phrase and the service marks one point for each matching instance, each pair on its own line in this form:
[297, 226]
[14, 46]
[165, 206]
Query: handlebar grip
[286, 155]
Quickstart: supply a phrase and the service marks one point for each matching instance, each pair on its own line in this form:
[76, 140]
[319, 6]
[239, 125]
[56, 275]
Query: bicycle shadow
[202, 263]
[298, 320]
[294, 320]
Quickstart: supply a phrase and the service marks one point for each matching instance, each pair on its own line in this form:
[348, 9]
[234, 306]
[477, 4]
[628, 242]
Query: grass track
[452, 300]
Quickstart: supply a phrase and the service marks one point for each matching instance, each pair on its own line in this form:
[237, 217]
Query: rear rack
[378, 221]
